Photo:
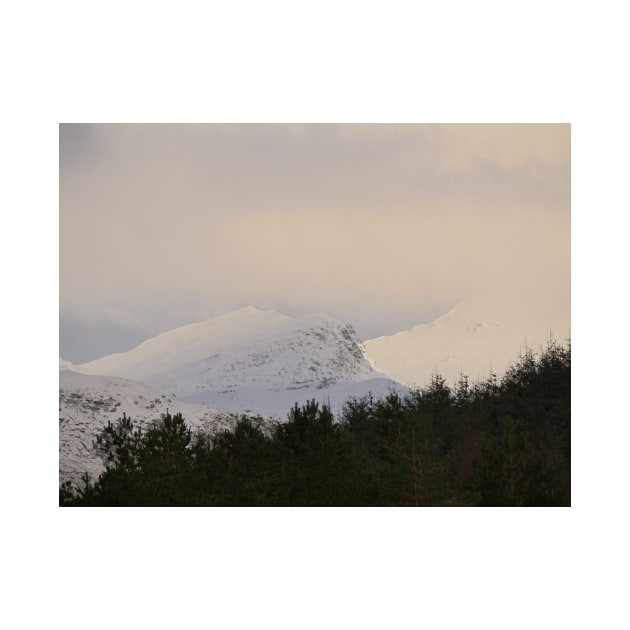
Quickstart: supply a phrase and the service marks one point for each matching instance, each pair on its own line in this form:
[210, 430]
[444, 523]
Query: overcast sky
[386, 226]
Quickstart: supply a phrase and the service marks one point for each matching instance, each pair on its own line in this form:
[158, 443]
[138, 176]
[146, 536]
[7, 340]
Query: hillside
[87, 403]
[251, 360]
[475, 338]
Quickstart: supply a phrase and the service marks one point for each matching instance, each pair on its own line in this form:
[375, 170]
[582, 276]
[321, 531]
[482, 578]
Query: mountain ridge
[474, 338]
[231, 361]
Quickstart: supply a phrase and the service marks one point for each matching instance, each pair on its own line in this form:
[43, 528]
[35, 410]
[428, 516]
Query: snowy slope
[475, 338]
[251, 360]
[87, 402]
[171, 350]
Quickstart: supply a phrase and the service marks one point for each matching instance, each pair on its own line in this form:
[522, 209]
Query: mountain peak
[476, 337]
[245, 358]
[254, 311]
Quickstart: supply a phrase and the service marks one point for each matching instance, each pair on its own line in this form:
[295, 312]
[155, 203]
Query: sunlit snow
[252, 360]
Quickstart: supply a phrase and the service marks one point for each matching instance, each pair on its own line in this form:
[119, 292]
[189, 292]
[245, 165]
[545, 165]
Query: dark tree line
[493, 443]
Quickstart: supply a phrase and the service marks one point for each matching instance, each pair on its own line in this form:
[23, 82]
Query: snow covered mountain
[261, 362]
[87, 402]
[252, 360]
[474, 338]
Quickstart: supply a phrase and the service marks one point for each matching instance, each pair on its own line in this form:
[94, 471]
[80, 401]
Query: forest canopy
[493, 443]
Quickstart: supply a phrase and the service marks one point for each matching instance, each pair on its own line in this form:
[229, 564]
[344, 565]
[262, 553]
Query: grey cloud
[81, 341]
[383, 225]
[75, 141]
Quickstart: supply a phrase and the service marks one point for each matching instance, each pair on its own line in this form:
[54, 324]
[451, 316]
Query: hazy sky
[386, 226]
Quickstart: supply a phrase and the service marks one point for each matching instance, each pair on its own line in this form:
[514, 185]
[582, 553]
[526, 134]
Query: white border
[284, 62]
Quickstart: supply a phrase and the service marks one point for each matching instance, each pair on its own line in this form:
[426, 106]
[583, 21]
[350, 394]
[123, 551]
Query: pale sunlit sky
[386, 226]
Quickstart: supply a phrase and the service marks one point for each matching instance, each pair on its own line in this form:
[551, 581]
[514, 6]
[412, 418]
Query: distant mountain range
[261, 362]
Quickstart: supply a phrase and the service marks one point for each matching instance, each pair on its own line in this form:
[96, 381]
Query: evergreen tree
[497, 443]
